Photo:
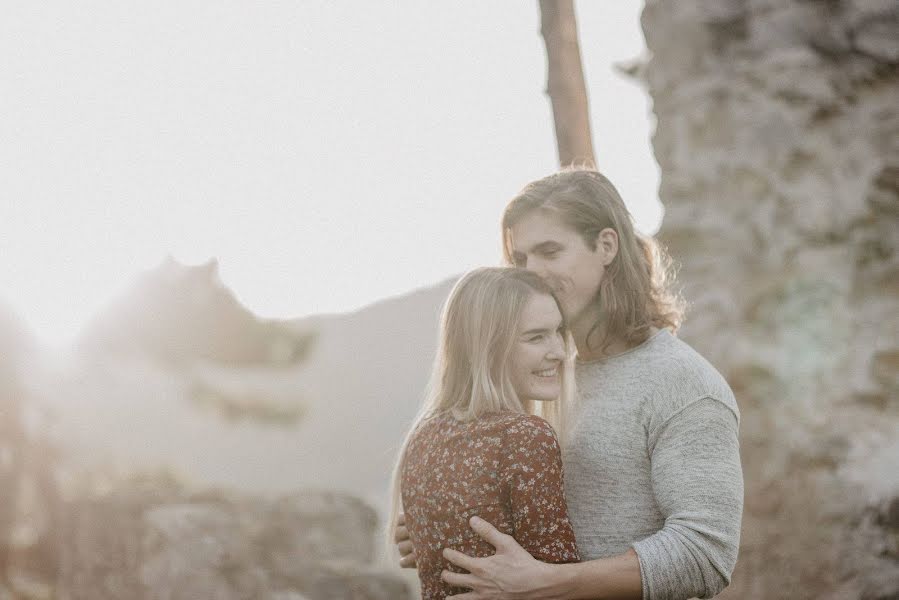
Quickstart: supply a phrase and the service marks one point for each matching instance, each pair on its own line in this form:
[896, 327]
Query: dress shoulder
[526, 425]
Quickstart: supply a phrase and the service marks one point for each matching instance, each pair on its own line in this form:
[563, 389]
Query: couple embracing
[568, 358]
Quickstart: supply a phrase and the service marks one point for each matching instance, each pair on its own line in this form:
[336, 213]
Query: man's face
[542, 244]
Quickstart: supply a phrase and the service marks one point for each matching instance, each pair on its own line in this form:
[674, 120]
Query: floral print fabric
[505, 468]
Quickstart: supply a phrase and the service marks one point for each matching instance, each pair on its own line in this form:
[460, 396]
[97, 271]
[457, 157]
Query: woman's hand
[404, 544]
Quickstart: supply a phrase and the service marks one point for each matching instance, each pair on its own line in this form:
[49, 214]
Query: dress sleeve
[697, 481]
[533, 473]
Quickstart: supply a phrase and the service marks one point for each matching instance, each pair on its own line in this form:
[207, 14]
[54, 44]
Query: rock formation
[778, 141]
[29, 497]
[12, 434]
[150, 539]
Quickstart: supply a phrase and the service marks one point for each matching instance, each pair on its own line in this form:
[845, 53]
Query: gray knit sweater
[653, 463]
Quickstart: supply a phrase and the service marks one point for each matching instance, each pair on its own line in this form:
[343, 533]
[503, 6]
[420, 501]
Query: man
[653, 477]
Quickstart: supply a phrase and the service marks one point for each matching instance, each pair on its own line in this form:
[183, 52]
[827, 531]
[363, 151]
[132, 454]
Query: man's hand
[404, 543]
[509, 574]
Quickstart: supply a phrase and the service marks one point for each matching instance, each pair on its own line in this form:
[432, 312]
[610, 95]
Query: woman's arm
[531, 470]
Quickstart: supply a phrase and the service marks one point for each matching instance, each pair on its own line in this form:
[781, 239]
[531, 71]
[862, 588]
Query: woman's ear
[607, 245]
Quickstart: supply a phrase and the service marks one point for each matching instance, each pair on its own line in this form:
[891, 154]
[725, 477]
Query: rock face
[150, 540]
[778, 140]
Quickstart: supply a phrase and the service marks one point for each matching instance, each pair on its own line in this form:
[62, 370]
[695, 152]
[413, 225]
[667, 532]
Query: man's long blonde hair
[637, 291]
[470, 376]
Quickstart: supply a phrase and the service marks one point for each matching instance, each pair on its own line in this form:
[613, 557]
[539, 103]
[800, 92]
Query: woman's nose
[557, 350]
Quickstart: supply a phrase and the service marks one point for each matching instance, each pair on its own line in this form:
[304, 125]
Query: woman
[478, 446]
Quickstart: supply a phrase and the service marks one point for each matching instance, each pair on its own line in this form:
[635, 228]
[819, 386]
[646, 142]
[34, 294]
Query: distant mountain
[355, 393]
[364, 382]
[179, 314]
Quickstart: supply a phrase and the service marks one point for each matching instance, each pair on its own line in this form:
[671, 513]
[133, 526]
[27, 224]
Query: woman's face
[539, 350]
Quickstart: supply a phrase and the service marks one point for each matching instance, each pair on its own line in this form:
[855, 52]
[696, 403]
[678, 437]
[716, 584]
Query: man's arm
[513, 574]
[697, 480]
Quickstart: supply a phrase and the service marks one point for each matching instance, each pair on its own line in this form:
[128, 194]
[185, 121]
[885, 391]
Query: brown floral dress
[505, 468]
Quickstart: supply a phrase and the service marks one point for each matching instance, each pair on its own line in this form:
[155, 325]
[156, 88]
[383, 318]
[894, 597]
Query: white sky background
[328, 153]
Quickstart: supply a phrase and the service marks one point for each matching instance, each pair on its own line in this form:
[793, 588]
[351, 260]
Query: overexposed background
[328, 154]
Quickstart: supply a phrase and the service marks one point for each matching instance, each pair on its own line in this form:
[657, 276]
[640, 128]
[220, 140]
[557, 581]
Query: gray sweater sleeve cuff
[671, 568]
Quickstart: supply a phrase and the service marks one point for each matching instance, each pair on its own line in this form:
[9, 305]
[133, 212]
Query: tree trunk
[565, 83]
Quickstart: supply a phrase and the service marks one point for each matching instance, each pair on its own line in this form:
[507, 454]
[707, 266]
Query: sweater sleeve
[697, 481]
[533, 472]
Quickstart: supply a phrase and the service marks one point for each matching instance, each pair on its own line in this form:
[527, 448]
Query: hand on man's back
[404, 544]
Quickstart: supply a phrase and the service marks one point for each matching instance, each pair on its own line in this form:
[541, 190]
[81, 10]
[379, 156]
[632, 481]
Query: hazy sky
[328, 153]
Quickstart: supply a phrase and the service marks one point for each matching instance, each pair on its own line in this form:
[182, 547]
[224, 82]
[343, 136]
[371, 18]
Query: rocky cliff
[778, 141]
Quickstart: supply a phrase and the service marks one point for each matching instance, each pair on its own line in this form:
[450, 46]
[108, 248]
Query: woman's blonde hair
[470, 377]
[636, 291]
